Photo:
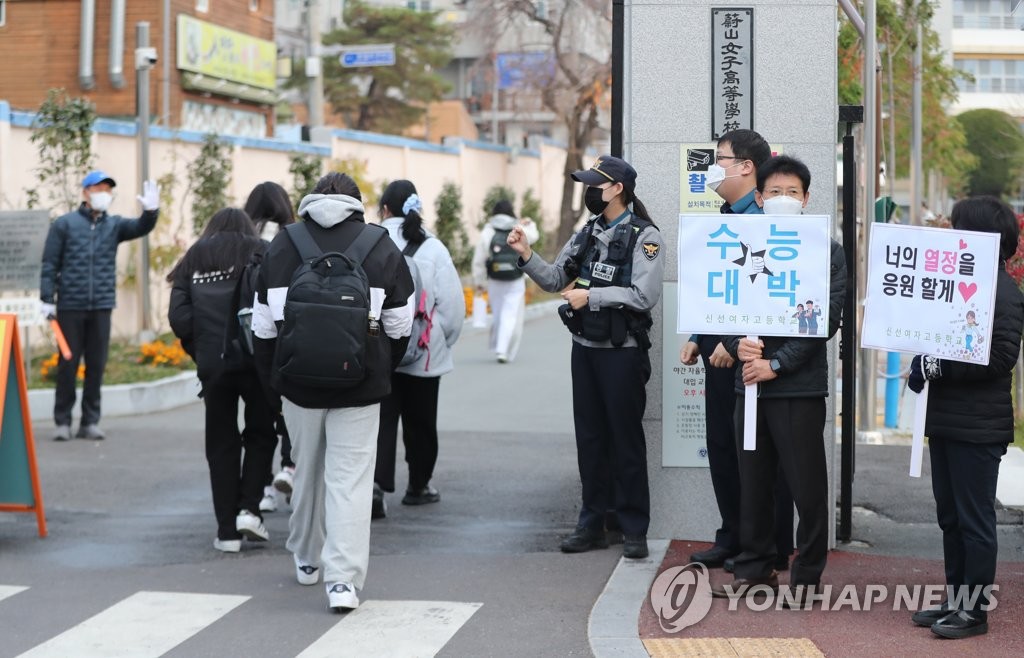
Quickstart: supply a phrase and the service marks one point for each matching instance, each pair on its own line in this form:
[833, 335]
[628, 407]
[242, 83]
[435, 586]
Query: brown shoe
[741, 586]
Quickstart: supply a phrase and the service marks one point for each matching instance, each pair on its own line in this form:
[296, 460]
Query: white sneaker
[284, 480]
[502, 358]
[306, 574]
[341, 597]
[269, 502]
[227, 545]
[251, 526]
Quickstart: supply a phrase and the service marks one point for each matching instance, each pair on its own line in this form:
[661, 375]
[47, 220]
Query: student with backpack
[440, 308]
[494, 266]
[271, 210]
[204, 282]
[331, 321]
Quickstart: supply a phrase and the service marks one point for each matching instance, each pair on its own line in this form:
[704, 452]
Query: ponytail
[412, 228]
[401, 200]
[639, 209]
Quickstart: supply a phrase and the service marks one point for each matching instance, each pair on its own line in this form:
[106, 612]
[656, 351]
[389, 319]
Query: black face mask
[592, 199]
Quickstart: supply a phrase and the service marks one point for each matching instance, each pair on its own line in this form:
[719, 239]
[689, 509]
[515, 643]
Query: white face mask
[783, 205]
[716, 174]
[100, 201]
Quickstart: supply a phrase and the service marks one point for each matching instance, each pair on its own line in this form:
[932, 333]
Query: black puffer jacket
[972, 402]
[803, 364]
[80, 258]
[201, 308]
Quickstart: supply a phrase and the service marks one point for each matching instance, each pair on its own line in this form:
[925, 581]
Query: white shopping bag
[479, 312]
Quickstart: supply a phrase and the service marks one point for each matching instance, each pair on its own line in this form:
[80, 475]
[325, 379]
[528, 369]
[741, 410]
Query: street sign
[371, 55]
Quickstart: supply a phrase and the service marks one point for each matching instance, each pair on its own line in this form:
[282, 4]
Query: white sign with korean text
[683, 427]
[931, 291]
[754, 274]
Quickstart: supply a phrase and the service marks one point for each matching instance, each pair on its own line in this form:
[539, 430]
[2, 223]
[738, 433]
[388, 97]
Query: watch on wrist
[775, 365]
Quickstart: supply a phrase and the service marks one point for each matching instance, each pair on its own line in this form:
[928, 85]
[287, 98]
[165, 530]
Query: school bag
[502, 259]
[423, 317]
[327, 323]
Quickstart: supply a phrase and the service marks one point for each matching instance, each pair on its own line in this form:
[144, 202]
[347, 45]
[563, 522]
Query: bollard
[893, 383]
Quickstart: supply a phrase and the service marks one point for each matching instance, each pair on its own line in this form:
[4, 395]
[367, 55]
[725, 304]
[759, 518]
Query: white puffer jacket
[438, 273]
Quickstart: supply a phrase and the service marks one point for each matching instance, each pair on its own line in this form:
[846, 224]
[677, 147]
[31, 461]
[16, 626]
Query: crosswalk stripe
[142, 625]
[393, 629]
[10, 590]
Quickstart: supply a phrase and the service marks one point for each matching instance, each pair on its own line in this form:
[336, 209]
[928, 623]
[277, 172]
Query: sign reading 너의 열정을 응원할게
[930, 291]
[754, 275]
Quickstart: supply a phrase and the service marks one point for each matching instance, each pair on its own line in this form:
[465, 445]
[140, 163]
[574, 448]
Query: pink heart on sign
[967, 291]
[963, 245]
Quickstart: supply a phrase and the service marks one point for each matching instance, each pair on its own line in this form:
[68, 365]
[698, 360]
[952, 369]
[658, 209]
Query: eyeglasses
[719, 158]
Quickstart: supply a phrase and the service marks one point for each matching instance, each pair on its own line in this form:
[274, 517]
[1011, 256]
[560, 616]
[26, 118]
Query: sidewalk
[896, 541]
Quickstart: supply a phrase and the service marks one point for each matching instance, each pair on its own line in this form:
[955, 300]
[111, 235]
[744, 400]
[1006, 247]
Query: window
[986, 14]
[3, 13]
[203, 5]
[992, 75]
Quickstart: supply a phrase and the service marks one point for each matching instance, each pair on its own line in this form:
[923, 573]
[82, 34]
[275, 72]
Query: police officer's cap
[97, 177]
[608, 169]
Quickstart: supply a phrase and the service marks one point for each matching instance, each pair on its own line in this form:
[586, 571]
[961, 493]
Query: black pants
[964, 479]
[237, 482]
[88, 336]
[720, 405]
[413, 400]
[609, 396]
[789, 438]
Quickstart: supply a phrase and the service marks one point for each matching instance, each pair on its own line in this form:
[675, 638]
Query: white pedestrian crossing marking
[142, 625]
[393, 629]
[10, 590]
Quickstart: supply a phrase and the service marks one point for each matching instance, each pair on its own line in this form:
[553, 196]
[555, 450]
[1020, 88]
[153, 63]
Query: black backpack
[327, 322]
[502, 259]
[238, 345]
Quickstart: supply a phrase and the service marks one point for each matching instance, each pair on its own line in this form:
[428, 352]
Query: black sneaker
[379, 508]
[961, 624]
[424, 496]
[931, 615]
[635, 548]
[584, 539]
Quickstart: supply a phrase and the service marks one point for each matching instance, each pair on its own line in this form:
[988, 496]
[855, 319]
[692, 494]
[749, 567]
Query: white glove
[150, 197]
[47, 311]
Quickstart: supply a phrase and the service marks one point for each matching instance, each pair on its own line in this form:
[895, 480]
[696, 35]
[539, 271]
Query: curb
[127, 399]
[614, 625]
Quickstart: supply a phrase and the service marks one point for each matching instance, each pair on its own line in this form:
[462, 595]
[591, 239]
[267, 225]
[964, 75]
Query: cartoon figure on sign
[756, 261]
[972, 332]
[801, 318]
[812, 314]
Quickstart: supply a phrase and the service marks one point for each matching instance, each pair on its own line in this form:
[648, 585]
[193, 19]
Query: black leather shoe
[713, 558]
[741, 586]
[635, 548]
[799, 595]
[729, 565]
[584, 539]
[960, 624]
[782, 563]
[424, 496]
[931, 615]
[378, 508]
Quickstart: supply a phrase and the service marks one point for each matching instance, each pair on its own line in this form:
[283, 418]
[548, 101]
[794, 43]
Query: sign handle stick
[750, 413]
[917, 443]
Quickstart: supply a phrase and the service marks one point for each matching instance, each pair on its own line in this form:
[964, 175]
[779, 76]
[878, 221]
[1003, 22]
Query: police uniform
[620, 261]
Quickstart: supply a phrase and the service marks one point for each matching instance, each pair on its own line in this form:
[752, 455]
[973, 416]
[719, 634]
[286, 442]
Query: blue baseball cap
[97, 177]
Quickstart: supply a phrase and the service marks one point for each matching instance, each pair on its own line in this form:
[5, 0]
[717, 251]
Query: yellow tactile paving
[732, 647]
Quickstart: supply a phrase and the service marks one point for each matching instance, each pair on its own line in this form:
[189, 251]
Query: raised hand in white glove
[47, 311]
[150, 197]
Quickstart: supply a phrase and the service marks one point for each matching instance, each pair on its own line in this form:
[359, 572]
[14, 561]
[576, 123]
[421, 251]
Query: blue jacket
[80, 258]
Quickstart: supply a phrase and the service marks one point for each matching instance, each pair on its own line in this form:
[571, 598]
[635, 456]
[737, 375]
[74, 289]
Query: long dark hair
[639, 209]
[269, 202]
[394, 198]
[226, 245]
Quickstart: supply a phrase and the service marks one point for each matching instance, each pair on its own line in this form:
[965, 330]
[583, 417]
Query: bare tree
[574, 85]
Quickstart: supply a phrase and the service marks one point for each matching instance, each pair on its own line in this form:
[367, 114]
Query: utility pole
[145, 58]
[916, 162]
[314, 65]
[868, 365]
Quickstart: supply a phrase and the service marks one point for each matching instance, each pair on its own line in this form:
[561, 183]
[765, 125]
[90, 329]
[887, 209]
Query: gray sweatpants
[335, 451]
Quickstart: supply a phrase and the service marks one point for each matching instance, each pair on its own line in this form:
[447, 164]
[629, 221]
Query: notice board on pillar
[19, 475]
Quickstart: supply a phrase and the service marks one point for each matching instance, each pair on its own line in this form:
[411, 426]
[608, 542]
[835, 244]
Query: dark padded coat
[972, 402]
[80, 258]
[803, 365]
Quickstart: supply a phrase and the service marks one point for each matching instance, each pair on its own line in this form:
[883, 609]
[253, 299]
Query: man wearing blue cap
[78, 287]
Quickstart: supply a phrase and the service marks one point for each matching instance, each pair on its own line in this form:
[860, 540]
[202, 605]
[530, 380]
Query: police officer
[610, 275]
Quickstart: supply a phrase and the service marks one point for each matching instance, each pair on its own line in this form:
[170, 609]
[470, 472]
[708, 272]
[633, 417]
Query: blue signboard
[377, 56]
[525, 69]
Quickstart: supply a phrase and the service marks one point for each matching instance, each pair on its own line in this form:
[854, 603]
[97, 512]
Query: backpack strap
[364, 243]
[303, 241]
[411, 248]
